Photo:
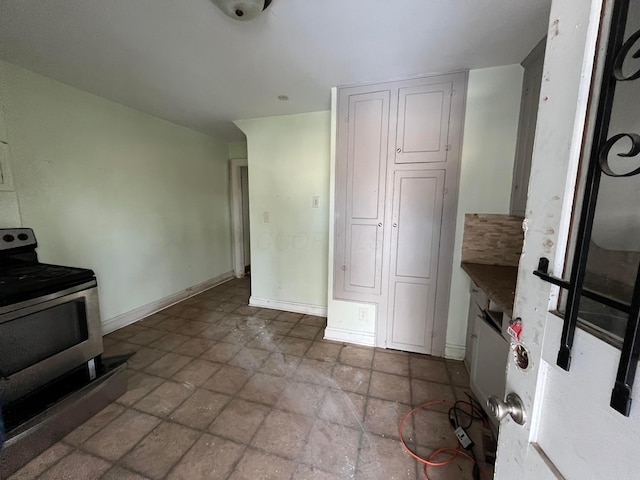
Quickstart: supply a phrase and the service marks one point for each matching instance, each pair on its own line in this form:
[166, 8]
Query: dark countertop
[498, 282]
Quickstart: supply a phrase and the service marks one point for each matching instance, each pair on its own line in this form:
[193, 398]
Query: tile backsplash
[492, 239]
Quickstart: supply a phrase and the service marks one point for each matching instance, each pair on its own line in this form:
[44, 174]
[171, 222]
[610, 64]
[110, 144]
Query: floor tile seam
[431, 381]
[173, 349]
[175, 464]
[266, 452]
[249, 445]
[156, 376]
[169, 413]
[300, 458]
[407, 375]
[118, 461]
[72, 447]
[147, 344]
[234, 440]
[315, 467]
[125, 408]
[413, 422]
[361, 428]
[363, 437]
[172, 465]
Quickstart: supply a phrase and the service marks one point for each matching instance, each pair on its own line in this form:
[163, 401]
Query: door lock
[512, 405]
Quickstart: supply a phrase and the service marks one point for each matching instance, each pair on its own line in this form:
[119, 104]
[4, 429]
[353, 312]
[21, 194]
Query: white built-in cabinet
[397, 160]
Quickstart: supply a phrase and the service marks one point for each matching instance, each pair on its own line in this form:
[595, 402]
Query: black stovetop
[23, 277]
[22, 280]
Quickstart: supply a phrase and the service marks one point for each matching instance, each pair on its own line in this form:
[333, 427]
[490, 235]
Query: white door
[415, 245]
[570, 431]
[360, 197]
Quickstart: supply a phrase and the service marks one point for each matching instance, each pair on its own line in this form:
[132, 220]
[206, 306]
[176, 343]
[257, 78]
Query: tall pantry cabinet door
[363, 137]
[415, 247]
[423, 123]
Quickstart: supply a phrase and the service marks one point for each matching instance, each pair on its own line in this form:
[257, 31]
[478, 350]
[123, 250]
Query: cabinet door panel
[418, 225]
[362, 256]
[366, 155]
[415, 245]
[411, 314]
[489, 363]
[423, 123]
[363, 141]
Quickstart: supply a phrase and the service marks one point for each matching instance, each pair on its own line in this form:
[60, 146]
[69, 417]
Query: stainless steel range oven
[53, 376]
[49, 317]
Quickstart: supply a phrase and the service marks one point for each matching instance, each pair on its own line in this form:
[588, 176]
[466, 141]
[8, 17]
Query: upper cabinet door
[423, 123]
[363, 140]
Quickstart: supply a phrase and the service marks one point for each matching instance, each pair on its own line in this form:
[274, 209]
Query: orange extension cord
[429, 462]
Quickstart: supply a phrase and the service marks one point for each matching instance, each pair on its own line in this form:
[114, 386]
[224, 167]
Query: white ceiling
[184, 61]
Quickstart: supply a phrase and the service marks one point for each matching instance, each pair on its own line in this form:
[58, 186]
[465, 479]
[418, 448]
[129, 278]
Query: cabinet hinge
[452, 92]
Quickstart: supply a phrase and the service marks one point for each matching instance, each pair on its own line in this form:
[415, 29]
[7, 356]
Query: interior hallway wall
[288, 165]
[142, 201]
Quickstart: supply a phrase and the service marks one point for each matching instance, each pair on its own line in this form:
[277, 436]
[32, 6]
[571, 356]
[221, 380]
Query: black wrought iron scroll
[618, 51]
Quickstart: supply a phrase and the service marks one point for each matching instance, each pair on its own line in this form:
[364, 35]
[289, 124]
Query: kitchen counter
[498, 282]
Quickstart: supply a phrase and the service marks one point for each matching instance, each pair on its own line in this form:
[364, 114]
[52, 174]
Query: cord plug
[463, 438]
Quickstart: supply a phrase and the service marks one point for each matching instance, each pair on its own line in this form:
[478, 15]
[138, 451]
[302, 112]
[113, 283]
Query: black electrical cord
[456, 412]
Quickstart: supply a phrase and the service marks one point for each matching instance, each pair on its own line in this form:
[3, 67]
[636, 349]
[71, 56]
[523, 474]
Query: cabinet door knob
[399, 150]
[395, 225]
[380, 224]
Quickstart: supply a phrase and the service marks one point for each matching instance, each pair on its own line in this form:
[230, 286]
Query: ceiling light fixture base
[242, 10]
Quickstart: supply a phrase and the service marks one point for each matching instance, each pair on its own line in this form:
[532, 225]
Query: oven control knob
[23, 237]
[8, 238]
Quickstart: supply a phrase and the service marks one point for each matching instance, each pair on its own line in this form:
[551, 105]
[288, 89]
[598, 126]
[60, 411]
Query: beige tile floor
[221, 390]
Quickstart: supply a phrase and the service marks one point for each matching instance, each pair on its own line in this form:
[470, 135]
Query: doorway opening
[240, 217]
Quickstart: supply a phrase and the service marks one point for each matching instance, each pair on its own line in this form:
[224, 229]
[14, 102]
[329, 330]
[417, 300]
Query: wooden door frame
[235, 165]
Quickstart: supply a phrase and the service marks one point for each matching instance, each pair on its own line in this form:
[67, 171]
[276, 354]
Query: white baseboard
[139, 313]
[454, 352]
[350, 336]
[295, 307]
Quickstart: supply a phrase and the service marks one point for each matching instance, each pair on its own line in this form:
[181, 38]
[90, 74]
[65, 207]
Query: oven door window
[27, 340]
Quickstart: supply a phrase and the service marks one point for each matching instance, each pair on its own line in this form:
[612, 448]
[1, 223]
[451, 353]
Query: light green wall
[9, 211]
[289, 164]
[488, 152]
[237, 150]
[142, 201]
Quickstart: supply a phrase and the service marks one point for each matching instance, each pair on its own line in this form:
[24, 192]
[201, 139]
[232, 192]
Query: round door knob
[511, 406]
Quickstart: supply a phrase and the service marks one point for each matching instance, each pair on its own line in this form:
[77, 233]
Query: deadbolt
[512, 405]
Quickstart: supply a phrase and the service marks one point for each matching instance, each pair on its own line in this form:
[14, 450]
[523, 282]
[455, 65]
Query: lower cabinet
[486, 355]
[477, 303]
